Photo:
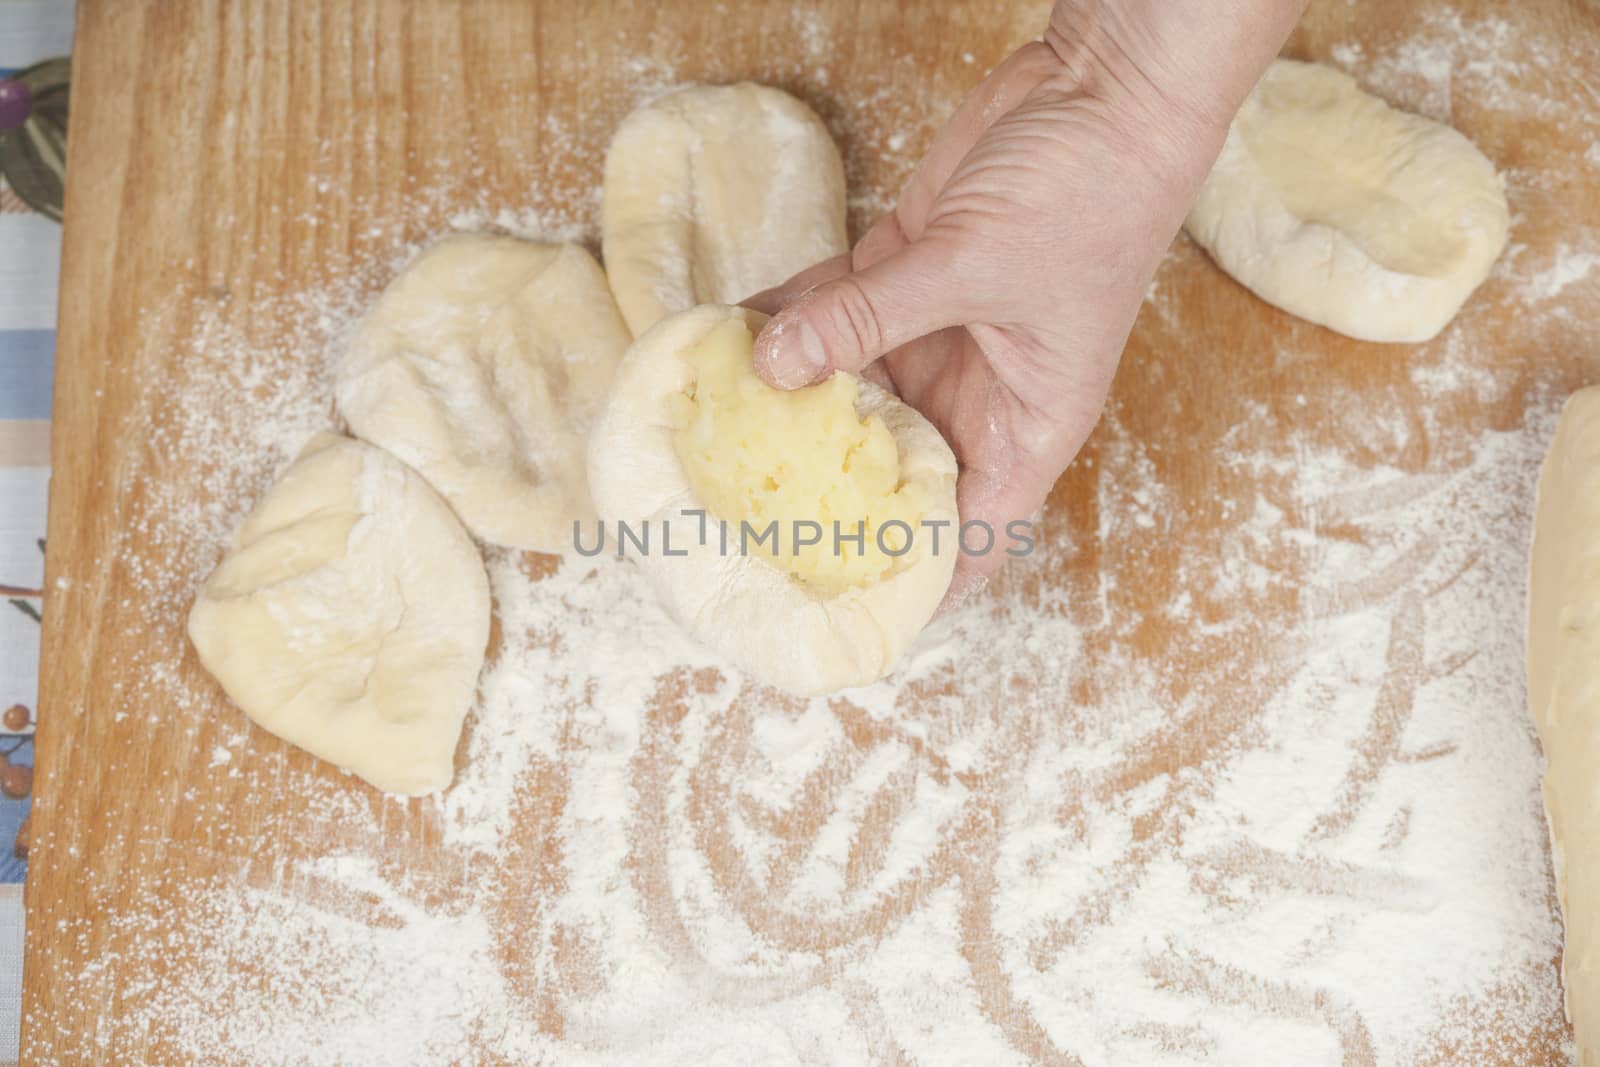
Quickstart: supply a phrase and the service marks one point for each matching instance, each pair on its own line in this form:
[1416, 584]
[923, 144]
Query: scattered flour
[1249, 850]
[1570, 268]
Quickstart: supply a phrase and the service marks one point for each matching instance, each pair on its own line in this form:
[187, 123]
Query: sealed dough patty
[714, 193]
[481, 366]
[350, 616]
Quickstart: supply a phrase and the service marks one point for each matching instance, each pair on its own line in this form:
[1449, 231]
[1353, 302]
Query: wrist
[1179, 69]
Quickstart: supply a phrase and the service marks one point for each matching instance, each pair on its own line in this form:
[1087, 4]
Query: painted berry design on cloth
[33, 137]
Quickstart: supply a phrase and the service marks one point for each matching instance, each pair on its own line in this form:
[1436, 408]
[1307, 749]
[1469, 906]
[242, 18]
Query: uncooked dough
[802, 636]
[481, 366]
[714, 193]
[1336, 207]
[1564, 693]
[350, 616]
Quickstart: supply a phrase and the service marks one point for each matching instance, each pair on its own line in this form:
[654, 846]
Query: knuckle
[854, 319]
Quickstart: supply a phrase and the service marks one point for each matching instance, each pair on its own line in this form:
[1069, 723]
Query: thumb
[849, 322]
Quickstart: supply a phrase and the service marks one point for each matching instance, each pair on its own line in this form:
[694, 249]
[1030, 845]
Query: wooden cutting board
[226, 156]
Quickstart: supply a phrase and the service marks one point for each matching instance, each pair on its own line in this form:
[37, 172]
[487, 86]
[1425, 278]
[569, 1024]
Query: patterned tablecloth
[30, 251]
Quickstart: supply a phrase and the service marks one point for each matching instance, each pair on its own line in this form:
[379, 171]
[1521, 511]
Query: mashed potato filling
[757, 455]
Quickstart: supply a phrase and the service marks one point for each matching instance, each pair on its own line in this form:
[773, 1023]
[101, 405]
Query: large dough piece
[801, 639]
[714, 193]
[1564, 692]
[350, 616]
[481, 367]
[1340, 209]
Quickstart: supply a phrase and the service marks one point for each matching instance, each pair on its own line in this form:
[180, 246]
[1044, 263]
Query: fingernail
[796, 357]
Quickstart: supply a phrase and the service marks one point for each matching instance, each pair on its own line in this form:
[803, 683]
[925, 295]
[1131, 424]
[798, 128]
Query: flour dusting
[1571, 267]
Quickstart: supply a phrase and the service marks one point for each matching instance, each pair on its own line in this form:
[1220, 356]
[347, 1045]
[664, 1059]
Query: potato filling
[756, 456]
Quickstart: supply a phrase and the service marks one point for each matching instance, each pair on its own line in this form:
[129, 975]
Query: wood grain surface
[225, 154]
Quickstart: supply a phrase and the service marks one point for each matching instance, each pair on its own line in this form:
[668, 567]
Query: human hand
[997, 296]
